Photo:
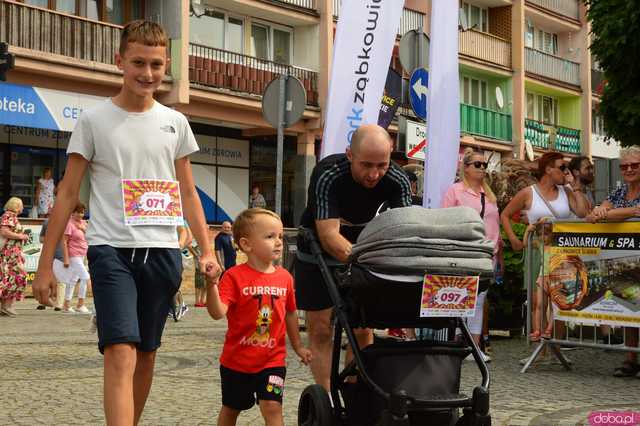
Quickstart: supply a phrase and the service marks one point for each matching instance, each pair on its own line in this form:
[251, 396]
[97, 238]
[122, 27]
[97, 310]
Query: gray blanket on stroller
[426, 240]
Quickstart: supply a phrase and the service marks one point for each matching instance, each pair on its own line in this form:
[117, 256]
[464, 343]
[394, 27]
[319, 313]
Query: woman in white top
[549, 198]
[44, 193]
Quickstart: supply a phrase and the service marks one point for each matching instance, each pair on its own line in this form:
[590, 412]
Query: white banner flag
[365, 35]
[443, 119]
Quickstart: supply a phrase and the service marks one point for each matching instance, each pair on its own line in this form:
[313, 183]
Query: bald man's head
[226, 227]
[370, 154]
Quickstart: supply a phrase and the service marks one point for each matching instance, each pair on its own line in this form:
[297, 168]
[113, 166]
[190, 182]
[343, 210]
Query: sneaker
[57, 309]
[41, 307]
[68, 311]
[10, 312]
[83, 310]
[486, 358]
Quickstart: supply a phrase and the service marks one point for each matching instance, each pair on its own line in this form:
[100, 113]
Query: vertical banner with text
[443, 132]
[365, 35]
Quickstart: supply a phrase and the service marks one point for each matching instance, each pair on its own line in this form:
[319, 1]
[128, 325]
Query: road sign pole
[282, 99]
[421, 63]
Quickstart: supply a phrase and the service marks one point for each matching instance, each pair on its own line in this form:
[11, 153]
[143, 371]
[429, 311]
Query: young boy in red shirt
[258, 300]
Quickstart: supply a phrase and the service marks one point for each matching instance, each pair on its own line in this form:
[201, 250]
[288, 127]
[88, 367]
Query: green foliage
[615, 45]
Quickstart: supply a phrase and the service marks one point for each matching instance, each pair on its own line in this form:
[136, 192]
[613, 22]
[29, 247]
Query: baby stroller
[399, 383]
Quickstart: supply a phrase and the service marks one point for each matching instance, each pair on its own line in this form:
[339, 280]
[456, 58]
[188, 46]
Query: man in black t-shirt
[345, 193]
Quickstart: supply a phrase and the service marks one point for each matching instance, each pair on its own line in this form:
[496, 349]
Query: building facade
[525, 80]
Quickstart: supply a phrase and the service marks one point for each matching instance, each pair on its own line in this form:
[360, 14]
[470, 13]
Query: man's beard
[586, 180]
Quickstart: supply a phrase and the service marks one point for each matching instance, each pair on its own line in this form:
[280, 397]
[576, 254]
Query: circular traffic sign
[295, 101]
[418, 92]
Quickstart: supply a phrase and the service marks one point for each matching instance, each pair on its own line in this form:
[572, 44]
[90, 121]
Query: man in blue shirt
[225, 252]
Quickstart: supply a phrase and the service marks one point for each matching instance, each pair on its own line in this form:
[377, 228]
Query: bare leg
[272, 413]
[631, 339]
[142, 379]
[119, 367]
[320, 336]
[228, 416]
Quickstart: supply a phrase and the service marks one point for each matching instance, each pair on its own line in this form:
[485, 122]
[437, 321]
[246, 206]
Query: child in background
[258, 300]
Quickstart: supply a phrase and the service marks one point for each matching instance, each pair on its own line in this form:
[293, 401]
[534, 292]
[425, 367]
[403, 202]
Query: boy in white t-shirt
[136, 151]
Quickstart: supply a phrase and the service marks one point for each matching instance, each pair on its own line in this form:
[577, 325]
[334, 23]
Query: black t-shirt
[333, 194]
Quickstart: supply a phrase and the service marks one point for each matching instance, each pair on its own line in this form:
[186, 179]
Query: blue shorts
[133, 291]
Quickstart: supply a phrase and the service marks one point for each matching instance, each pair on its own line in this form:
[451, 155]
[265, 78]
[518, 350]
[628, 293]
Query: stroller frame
[398, 403]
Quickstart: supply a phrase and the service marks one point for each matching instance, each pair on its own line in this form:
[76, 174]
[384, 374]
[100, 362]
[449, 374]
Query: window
[269, 43]
[477, 17]
[474, 92]
[218, 30]
[542, 108]
[113, 11]
[597, 123]
[538, 39]
[260, 41]
[207, 30]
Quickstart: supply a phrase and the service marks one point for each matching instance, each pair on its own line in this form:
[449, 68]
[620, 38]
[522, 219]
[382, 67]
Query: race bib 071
[151, 202]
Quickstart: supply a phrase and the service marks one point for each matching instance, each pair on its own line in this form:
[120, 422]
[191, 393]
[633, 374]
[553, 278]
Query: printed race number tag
[449, 296]
[151, 202]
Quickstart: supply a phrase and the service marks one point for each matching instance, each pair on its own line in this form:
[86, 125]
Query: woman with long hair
[474, 191]
[547, 199]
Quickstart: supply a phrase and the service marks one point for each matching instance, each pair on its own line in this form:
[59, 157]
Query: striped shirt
[334, 194]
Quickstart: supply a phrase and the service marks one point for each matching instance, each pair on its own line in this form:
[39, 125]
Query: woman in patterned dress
[13, 278]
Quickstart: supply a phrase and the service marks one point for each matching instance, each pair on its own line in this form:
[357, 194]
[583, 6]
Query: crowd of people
[135, 271]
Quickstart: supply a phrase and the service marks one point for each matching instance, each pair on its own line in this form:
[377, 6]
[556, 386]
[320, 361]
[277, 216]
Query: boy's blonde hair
[144, 32]
[244, 223]
[13, 204]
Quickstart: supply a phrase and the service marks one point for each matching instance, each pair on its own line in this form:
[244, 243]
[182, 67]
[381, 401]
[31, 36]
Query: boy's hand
[45, 287]
[209, 265]
[304, 354]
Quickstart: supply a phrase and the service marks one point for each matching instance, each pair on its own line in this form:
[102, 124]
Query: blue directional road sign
[418, 89]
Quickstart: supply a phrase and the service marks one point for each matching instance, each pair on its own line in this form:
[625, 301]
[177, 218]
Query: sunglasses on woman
[479, 164]
[562, 168]
[629, 166]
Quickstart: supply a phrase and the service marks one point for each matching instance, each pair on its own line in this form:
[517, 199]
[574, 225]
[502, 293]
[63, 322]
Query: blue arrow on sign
[418, 89]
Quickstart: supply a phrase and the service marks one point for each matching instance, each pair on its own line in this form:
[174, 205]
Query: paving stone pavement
[51, 373]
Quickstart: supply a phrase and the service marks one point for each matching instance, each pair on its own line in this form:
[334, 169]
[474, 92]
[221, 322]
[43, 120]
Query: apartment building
[525, 78]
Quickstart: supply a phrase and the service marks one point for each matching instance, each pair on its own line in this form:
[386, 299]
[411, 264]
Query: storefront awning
[42, 108]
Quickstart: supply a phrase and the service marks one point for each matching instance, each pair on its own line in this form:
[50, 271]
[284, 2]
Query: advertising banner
[365, 35]
[443, 132]
[40, 108]
[592, 272]
[390, 99]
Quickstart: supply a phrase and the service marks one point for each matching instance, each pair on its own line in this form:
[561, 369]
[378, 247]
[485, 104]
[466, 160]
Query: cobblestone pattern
[51, 373]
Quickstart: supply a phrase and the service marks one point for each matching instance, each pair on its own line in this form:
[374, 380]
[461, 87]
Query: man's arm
[44, 285]
[195, 216]
[331, 240]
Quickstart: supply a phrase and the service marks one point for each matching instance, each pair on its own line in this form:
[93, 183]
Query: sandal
[534, 337]
[547, 333]
[627, 369]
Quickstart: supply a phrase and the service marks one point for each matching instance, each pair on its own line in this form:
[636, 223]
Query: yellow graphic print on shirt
[262, 334]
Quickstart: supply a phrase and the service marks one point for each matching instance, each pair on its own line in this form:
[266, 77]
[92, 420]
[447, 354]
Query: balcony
[298, 4]
[410, 19]
[567, 8]
[219, 68]
[484, 122]
[550, 66]
[485, 46]
[548, 137]
[52, 32]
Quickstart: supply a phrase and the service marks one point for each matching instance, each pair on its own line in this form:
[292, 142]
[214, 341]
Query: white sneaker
[485, 357]
[83, 310]
[68, 311]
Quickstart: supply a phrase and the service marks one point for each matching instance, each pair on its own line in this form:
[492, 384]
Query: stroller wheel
[314, 407]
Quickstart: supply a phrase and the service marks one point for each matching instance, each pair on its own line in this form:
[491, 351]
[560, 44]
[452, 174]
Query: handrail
[66, 15]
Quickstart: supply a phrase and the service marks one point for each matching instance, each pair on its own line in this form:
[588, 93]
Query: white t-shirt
[126, 145]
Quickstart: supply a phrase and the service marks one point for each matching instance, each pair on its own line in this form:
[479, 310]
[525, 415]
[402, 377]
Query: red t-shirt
[257, 304]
